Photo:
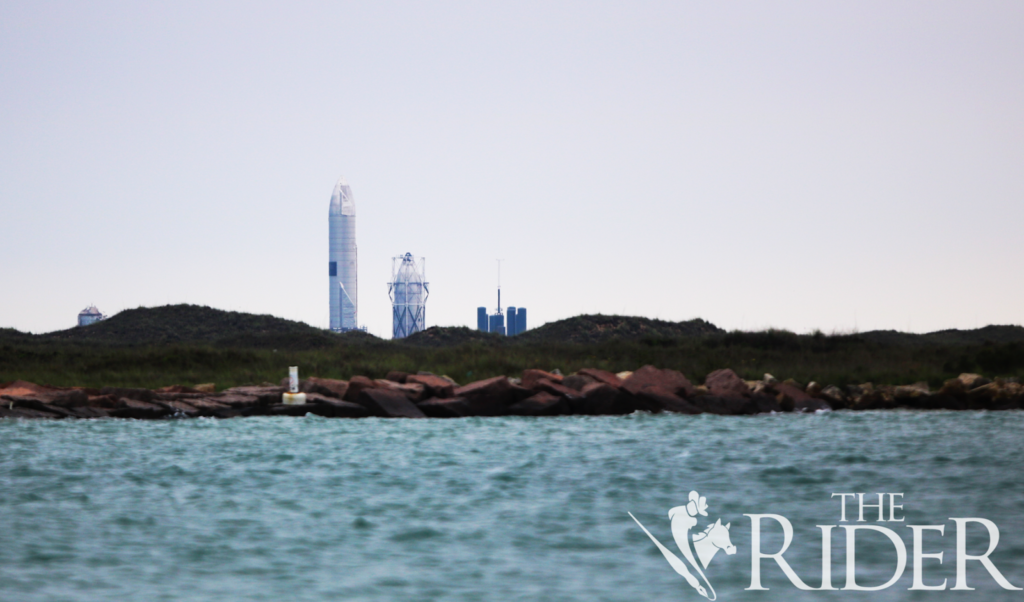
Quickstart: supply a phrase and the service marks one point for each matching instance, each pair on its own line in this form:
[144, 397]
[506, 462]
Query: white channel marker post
[293, 397]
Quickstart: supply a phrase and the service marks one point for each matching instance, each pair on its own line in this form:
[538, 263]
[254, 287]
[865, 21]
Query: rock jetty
[535, 393]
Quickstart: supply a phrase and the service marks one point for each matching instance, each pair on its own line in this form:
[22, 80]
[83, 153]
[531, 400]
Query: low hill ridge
[195, 324]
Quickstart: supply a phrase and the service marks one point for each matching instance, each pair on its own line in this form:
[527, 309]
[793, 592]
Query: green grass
[188, 344]
[837, 360]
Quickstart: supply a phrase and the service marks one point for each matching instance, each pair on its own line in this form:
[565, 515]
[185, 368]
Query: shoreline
[590, 392]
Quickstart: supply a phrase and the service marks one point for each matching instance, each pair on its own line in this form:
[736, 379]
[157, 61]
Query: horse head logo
[707, 543]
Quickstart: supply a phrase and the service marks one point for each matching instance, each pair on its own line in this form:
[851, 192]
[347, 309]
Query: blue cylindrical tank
[521, 320]
[510, 328]
[497, 324]
[481, 319]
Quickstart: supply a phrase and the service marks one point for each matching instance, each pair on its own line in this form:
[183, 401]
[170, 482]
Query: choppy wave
[480, 508]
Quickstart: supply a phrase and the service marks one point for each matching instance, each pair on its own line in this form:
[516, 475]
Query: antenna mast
[499, 285]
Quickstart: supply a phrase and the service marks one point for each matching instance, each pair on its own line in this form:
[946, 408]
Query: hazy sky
[791, 164]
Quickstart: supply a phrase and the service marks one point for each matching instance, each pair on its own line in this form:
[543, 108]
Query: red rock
[396, 376]
[577, 381]
[602, 376]
[179, 408]
[107, 402]
[177, 389]
[446, 408]
[213, 406]
[596, 399]
[657, 399]
[328, 387]
[89, 412]
[129, 393]
[21, 388]
[669, 380]
[265, 395]
[356, 385]
[541, 404]
[531, 376]
[519, 393]
[335, 408]
[726, 383]
[436, 386]
[133, 408]
[489, 397]
[234, 400]
[790, 396]
[555, 388]
[7, 412]
[389, 404]
[61, 398]
[414, 391]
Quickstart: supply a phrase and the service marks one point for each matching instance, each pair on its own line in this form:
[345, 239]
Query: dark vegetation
[184, 344]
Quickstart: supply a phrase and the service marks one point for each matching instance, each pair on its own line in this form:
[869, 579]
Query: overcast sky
[800, 165]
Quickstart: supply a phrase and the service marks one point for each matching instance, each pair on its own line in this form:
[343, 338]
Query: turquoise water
[484, 508]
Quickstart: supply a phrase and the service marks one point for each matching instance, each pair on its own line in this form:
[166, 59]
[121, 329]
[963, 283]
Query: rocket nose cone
[342, 201]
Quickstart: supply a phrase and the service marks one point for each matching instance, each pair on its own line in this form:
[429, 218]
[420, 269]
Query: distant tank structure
[508, 323]
[90, 315]
[408, 292]
[343, 260]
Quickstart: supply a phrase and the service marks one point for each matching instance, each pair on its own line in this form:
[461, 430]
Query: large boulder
[596, 399]
[218, 406]
[576, 382]
[762, 403]
[388, 404]
[414, 391]
[328, 387]
[973, 381]
[668, 380]
[602, 376]
[912, 396]
[22, 388]
[726, 383]
[397, 376]
[943, 401]
[436, 386]
[791, 397]
[868, 397]
[541, 404]
[554, 389]
[129, 393]
[33, 403]
[1009, 397]
[330, 407]
[265, 395]
[445, 408]
[531, 376]
[982, 397]
[6, 411]
[653, 398]
[133, 408]
[356, 385]
[834, 397]
[89, 412]
[490, 397]
[177, 408]
[66, 398]
[235, 400]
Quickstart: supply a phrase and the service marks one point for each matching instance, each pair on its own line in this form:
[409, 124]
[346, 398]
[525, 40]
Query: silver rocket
[342, 258]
